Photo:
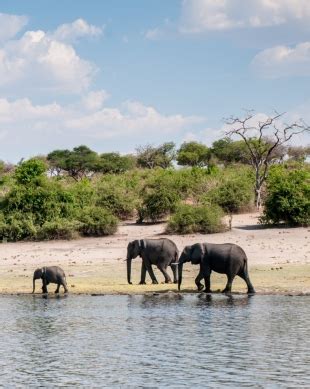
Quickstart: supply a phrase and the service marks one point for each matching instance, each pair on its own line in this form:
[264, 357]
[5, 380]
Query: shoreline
[278, 260]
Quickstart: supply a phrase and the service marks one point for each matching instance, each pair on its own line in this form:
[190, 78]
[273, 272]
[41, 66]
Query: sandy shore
[279, 260]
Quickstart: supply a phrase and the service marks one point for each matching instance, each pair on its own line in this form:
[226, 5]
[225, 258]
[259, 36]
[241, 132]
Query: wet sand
[278, 258]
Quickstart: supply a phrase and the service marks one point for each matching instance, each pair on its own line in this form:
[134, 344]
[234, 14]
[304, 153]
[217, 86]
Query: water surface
[159, 341]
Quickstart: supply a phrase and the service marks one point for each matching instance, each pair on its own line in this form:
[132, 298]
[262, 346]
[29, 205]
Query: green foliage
[59, 229]
[233, 193]
[193, 154]
[288, 197]
[17, 226]
[150, 157]
[29, 171]
[196, 219]
[115, 163]
[97, 221]
[158, 204]
[77, 163]
[228, 151]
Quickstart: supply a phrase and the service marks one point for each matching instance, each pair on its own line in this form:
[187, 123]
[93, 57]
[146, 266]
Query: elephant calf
[50, 274]
[160, 252]
[227, 258]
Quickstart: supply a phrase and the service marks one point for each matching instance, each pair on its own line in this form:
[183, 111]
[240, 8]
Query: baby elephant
[50, 274]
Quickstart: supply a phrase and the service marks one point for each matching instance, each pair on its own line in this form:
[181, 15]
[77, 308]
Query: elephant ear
[197, 253]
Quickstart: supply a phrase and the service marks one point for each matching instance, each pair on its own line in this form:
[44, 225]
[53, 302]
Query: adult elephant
[227, 258]
[50, 274]
[160, 252]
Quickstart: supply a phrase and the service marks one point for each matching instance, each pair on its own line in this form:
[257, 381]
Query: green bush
[96, 221]
[288, 197]
[59, 229]
[117, 196]
[192, 219]
[233, 195]
[29, 171]
[157, 205]
[17, 226]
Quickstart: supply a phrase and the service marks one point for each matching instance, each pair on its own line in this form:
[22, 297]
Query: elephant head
[193, 254]
[38, 273]
[134, 249]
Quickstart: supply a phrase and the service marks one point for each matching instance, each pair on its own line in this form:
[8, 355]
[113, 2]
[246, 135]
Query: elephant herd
[227, 258]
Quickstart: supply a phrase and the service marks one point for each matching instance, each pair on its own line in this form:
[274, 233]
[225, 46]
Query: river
[156, 341]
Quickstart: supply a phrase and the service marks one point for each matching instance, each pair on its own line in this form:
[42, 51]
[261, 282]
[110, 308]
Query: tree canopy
[193, 154]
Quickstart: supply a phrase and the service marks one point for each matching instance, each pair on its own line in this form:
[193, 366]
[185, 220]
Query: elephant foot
[226, 291]
[142, 283]
[175, 282]
[251, 291]
[207, 291]
[154, 282]
[168, 282]
[199, 287]
[56, 291]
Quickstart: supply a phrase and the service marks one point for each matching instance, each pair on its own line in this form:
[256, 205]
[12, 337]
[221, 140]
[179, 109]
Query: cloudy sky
[116, 74]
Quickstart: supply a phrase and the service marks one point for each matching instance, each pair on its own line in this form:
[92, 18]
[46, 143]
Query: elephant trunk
[180, 271]
[129, 260]
[34, 285]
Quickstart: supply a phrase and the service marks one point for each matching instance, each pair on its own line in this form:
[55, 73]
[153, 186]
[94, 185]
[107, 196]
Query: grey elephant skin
[227, 258]
[50, 275]
[160, 252]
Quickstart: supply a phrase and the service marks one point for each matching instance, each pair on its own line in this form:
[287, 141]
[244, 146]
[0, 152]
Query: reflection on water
[156, 341]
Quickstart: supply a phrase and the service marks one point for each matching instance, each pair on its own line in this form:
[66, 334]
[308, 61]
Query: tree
[115, 163]
[150, 157]
[193, 154]
[29, 171]
[298, 153]
[77, 163]
[228, 151]
[265, 140]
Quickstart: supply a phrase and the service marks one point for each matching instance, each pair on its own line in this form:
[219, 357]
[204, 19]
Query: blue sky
[117, 74]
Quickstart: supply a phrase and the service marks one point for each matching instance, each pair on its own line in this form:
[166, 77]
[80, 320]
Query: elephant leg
[230, 278]
[197, 281]
[175, 274]
[206, 272]
[164, 272]
[44, 287]
[150, 271]
[143, 274]
[244, 275]
[57, 289]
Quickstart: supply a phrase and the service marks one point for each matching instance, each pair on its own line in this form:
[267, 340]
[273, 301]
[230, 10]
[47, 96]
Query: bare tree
[264, 139]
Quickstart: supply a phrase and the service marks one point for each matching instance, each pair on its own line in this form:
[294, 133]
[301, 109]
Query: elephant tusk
[174, 264]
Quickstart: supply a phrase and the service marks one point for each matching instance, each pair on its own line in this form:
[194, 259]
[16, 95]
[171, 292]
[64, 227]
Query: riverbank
[279, 260]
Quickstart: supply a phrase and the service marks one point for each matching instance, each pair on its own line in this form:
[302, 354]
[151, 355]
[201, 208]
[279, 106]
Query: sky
[117, 74]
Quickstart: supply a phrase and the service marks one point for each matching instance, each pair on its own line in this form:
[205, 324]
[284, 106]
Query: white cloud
[11, 25]
[94, 100]
[27, 129]
[41, 61]
[206, 15]
[283, 61]
[70, 32]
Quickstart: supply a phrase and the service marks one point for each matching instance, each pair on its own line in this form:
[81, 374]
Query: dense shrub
[191, 219]
[157, 205]
[233, 194]
[29, 171]
[96, 221]
[118, 197]
[17, 226]
[288, 197]
[59, 229]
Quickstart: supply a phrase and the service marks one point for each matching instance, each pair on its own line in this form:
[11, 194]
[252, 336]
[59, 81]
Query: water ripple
[155, 341]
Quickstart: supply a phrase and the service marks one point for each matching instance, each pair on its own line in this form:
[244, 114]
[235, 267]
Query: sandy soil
[279, 260]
